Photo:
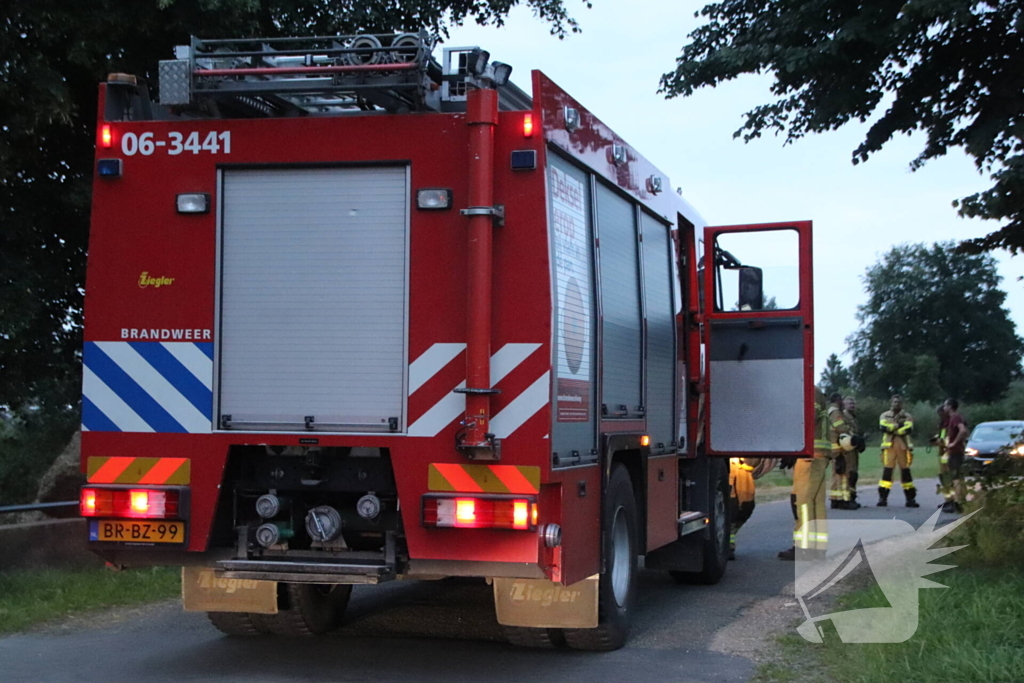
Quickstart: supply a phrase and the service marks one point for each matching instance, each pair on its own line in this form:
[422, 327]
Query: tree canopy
[934, 324]
[834, 377]
[53, 54]
[948, 68]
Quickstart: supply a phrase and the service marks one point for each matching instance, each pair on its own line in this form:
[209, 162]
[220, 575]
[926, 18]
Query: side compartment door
[759, 342]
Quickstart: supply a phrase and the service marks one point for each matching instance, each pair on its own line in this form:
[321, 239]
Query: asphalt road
[442, 631]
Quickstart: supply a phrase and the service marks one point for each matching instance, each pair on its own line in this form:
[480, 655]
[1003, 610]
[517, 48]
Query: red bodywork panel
[139, 241]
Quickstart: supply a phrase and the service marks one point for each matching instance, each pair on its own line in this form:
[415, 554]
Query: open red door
[759, 340]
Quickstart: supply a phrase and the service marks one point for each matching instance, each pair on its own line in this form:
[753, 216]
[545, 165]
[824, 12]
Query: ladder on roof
[319, 76]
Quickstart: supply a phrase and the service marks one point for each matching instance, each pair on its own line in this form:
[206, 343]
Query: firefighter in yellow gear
[897, 426]
[810, 534]
[839, 491]
[852, 473]
[939, 440]
[742, 474]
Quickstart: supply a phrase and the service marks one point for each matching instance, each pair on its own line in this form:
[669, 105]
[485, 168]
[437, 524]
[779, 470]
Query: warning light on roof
[528, 126]
[645, 440]
[106, 136]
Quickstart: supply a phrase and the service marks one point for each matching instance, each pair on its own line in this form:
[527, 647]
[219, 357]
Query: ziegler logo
[524, 592]
[207, 580]
[145, 280]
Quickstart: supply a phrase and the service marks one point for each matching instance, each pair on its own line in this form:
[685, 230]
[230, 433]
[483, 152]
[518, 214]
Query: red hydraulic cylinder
[482, 117]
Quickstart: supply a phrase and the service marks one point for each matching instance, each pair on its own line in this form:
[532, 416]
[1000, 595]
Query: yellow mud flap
[540, 603]
[208, 590]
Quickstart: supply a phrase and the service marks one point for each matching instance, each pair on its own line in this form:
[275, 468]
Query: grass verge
[776, 484]
[971, 632]
[28, 598]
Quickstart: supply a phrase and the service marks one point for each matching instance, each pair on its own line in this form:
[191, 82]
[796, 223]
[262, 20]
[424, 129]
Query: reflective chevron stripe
[483, 478]
[147, 387]
[155, 471]
[451, 405]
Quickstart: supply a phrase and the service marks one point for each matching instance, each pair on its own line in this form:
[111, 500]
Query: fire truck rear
[354, 314]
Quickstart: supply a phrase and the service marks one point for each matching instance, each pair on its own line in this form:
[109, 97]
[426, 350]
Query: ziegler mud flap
[539, 603]
[208, 590]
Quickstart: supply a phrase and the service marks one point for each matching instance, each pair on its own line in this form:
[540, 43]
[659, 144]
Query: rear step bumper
[308, 572]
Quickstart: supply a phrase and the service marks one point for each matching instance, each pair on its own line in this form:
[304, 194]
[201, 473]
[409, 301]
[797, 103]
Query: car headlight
[971, 452]
[1018, 450]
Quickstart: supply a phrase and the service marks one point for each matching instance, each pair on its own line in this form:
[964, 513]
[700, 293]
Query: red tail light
[479, 512]
[528, 126]
[129, 503]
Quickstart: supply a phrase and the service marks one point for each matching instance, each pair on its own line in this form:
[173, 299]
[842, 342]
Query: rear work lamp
[480, 512]
[198, 202]
[434, 198]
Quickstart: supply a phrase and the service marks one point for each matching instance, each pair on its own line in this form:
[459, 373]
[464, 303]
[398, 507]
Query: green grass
[776, 484]
[971, 632]
[28, 598]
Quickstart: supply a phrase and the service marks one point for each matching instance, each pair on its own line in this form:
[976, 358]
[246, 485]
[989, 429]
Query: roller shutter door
[313, 290]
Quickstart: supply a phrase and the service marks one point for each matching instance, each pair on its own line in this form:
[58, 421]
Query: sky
[859, 212]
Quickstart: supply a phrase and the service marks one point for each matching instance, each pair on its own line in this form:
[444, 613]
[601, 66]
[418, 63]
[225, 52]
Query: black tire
[533, 637]
[617, 588]
[312, 609]
[716, 546]
[238, 623]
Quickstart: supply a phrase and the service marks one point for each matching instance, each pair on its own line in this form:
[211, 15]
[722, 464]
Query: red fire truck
[356, 314]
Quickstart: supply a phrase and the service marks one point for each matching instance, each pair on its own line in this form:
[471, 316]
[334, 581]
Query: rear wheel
[617, 587]
[312, 609]
[237, 623]
[716, 546]
[533, 637]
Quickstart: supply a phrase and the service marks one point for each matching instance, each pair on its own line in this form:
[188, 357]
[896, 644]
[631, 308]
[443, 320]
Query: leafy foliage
[928, 307]
[54, 55]
[949, 68]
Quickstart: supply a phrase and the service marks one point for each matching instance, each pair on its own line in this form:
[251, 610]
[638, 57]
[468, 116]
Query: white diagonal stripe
[508, 359]
[430, 363]
[110, 404]
[197, 362]
[440, 415]
[154, 384]
[522, 408]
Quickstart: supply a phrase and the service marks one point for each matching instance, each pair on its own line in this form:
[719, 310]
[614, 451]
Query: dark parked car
[992, 440]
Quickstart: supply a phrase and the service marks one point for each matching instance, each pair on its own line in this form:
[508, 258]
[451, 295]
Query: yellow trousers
[840, 486]
[898, 455]
[741, 501]
[811, 532]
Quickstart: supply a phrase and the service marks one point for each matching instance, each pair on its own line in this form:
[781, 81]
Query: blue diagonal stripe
[129, 392]
[94, 420]
[207, 348]
[177, 374]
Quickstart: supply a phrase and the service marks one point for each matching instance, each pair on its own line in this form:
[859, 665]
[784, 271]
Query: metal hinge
[496, 212]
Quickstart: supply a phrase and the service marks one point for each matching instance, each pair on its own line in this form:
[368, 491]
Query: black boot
[883, 497]
[788, 555]
[912, 498]
[835, 505]
[853, 504]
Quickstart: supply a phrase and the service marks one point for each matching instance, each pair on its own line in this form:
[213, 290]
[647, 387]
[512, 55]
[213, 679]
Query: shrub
[996, 533]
